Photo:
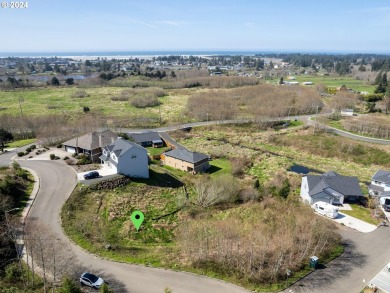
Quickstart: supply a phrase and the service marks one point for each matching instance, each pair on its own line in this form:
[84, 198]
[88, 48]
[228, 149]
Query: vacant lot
[70, 101]
[337, 81]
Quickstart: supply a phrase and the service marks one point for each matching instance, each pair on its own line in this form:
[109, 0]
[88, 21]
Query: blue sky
[299, 25]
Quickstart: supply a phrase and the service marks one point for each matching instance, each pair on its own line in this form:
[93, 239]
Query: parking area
[103, 172]
[354, 223]
[381, 280]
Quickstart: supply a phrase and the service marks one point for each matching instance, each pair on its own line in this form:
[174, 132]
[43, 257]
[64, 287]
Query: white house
[346, 112]
[380, 183]
[127, 158]
[330, 187]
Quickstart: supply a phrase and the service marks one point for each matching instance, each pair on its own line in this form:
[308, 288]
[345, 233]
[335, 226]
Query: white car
[91, 280]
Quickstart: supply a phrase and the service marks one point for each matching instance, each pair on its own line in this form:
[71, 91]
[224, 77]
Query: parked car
[91, 280]
[91, 175]
[386, 205]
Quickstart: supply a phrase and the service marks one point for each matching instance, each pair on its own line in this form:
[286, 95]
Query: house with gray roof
[186, 160]
[330, 187]
[90, 144]
[380, 184]
[147, 139]
[126, 158]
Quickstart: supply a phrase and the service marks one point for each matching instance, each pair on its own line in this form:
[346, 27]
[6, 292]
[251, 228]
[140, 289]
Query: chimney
[112, 139]
[100, 140]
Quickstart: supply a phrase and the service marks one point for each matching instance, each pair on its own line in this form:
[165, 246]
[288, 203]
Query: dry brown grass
[258, 101]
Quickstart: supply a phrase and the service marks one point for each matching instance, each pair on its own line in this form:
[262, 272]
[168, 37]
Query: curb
[33, 195]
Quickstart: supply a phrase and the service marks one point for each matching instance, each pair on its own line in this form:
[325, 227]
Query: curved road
[57, 181]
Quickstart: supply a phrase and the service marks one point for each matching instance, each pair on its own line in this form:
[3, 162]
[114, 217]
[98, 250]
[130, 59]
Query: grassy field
[157, 151]
[59, 100]
[20, 143]
[337, 81]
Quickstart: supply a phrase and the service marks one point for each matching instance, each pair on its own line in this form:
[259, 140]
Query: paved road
[57, 182]
[365, 255]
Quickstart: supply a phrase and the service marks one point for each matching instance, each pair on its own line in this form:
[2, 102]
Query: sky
[155, 25]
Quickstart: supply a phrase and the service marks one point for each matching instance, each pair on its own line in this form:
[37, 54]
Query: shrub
[59, 146]
[145, 101]
[52, 156]
[57, 158]
[80, 94]
[20, 154]
[33, 147]
[66, 158]
[120, 98]
[69, 162]
[83, 160]
[86, 109]
[239, 165]
[28, 149]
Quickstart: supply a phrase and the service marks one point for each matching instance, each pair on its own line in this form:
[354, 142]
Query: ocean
[113, 54]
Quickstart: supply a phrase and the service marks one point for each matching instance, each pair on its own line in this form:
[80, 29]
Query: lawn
[20, 143]
[157, 151]
[337, 81]
[59, 100]
[362, 213]
[219, 167]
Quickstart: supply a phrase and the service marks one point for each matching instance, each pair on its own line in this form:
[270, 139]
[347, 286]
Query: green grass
[295, 123]
[219, 167]
[20, 143]
[59, 100]
[157, 151]
[337, 81]
[361, 213]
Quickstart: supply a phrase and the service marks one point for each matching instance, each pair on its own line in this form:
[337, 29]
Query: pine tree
[382, 85]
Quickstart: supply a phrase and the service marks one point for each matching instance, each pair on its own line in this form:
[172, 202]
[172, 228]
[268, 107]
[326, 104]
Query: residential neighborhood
[191, 147]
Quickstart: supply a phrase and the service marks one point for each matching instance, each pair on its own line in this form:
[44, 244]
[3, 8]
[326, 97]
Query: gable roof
[92, 140]
[145, 137]
[345, 185]
[119, 147]
[382, 176]
[187, 156]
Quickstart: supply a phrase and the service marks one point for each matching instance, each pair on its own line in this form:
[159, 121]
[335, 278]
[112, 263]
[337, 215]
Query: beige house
[90, 144]
[186, 161]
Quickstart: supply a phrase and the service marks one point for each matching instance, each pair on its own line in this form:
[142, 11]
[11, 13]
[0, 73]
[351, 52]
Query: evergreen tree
[173, 74]
[5, 137]
[382, 86]
[54, 81]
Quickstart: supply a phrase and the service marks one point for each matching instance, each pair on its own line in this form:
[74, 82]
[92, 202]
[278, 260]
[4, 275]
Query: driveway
[381, 280]
[354, 223]
[104, 172]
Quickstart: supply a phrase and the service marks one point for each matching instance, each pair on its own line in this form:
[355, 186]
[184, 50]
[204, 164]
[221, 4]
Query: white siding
[305, 191]
[134, 163]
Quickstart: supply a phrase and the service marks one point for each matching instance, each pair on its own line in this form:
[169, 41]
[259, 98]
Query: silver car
[91, 280]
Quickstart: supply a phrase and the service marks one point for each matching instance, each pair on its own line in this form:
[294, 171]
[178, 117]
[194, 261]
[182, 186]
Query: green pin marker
[137, 217]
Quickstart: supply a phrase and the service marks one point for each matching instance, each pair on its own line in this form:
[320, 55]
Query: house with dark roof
[126, 158]
[380, 184]
[90, 144]
[186, 160]
[147, 139]
[330, 187]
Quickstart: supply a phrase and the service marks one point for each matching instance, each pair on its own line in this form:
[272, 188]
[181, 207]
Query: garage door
[71, 150]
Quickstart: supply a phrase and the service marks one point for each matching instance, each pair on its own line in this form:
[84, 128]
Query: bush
[20, 154]
[66, 158]
[80, 94]
[59, 146]
[57, 158]
[28, 149]
[83, 160]
[52, 156]
[145, 101]
[12, 272]
[239, 165]
[33, 147]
